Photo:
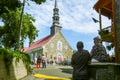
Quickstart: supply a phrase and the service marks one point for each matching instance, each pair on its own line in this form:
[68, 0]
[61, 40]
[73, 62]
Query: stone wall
[104, 71]
[52, 50]
[16, 70]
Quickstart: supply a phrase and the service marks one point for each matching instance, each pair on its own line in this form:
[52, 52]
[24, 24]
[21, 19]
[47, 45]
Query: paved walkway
[50, 72]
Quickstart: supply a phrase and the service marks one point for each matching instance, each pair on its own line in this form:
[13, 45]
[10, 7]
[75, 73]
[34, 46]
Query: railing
[107, 34]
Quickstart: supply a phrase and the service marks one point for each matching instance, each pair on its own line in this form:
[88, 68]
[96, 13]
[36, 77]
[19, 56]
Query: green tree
[9, 32]
[13, 4]
[10, 4]
[28, 29]
[13, 26]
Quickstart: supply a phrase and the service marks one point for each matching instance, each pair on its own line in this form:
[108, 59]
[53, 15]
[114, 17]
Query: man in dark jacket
[80, 62]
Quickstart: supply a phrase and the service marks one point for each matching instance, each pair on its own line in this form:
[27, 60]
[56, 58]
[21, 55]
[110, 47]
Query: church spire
[56, 6]
[56, 25]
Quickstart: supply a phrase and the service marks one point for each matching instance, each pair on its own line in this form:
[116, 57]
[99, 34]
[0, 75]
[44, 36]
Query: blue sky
[75, 19]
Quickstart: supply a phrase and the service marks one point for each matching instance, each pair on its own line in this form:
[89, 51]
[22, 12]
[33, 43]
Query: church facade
[54, 46]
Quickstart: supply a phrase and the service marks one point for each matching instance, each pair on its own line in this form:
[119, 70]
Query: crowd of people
[40, 60]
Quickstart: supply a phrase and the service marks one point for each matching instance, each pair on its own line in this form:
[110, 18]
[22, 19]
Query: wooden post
[117, 29]
[100, 20]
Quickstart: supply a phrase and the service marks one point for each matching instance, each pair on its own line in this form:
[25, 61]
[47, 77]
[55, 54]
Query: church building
[54, 46]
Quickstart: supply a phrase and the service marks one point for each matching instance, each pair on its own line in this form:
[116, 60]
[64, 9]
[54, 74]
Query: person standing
[79, 62]
[38, 62]
[43, 61]
[35, 61]
[98, 52]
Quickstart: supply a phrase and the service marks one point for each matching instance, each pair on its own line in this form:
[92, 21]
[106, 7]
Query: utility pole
[20, 26]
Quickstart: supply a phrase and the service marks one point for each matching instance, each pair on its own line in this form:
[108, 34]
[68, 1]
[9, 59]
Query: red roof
[38, 43]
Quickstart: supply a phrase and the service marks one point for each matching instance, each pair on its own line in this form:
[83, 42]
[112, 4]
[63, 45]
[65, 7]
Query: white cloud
[74, 15]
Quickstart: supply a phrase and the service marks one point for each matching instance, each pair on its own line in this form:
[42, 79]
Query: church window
[59, 45]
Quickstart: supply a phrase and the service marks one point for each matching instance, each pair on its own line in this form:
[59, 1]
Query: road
[52, 72]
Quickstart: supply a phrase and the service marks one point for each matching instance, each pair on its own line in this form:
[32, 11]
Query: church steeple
[56, 25]
[56, 6]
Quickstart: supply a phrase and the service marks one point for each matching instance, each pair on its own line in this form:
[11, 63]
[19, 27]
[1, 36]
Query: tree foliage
[28, 29]
[38, 1]
[13, 4]
[10, 16]
[9, 32]
[9, 55]
[10, 4]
